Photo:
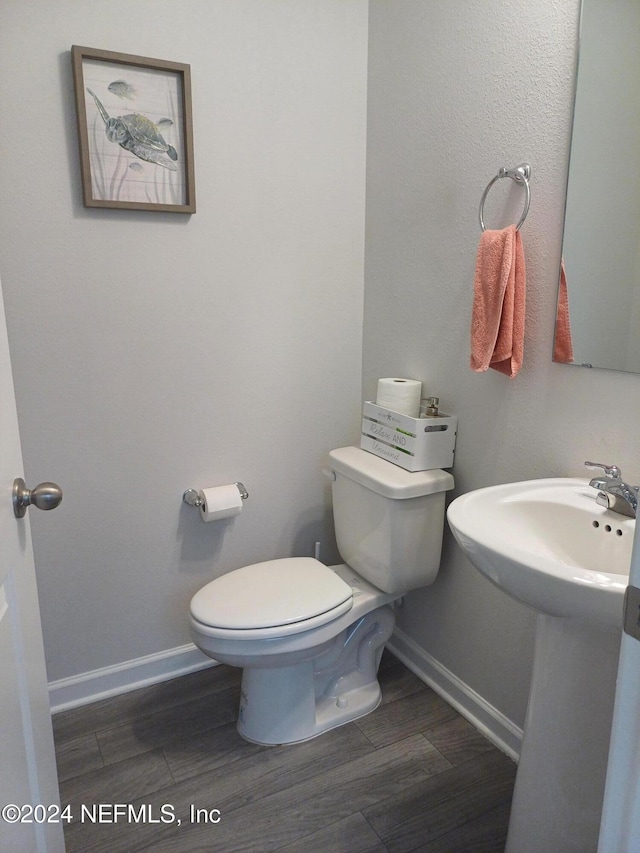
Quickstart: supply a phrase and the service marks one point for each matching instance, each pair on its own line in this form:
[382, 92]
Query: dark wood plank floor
[411, 776]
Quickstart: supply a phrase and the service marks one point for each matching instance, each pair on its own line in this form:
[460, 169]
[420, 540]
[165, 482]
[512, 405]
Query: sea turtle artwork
[139, 135]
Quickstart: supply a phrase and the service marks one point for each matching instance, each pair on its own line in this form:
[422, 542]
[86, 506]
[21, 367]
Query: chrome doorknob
[44, 496]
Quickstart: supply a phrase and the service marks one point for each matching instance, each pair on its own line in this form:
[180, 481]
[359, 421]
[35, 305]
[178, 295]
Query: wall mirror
[601, 246]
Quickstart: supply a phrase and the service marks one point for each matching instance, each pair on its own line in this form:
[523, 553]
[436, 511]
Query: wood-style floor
[411, 776]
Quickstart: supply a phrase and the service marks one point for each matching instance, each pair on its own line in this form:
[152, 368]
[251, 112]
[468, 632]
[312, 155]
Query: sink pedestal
[559, 788]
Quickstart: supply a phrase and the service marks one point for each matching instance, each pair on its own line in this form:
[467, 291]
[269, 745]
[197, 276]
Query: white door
[28, 779]
[620, 826]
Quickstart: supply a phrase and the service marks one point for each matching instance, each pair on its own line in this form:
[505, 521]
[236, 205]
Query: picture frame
[135, 131]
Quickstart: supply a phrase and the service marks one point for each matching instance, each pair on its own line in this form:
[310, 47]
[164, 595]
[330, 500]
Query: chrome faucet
[613, 492]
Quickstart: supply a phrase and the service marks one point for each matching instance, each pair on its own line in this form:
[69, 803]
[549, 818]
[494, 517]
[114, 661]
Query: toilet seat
[275, 598]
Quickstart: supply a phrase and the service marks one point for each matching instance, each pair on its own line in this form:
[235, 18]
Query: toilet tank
[389, 522]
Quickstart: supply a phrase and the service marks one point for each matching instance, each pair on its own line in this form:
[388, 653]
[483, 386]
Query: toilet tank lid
[384, 477]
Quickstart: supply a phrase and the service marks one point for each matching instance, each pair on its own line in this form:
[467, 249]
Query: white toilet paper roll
[220, 502]
[400, 395]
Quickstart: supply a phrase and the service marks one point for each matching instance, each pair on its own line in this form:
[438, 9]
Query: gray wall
[156, 352]
[457, 90]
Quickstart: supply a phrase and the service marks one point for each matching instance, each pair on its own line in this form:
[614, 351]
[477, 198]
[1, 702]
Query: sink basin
[548, 544]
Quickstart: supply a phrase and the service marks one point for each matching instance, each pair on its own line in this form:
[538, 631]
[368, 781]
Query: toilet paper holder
[192, 497]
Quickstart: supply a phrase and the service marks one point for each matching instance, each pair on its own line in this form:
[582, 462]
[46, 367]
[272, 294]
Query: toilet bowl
[302, 677]
[309, 637]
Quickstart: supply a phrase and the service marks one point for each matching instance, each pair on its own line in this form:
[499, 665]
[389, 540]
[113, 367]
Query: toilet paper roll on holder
[193, 498]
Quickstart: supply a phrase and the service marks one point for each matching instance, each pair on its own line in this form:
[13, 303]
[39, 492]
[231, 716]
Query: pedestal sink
[547, 544]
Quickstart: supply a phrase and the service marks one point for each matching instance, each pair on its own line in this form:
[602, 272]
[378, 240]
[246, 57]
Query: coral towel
[497, 321]
[562, 345]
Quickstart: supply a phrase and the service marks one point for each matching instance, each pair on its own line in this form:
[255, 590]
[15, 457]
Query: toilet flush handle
[44, 496]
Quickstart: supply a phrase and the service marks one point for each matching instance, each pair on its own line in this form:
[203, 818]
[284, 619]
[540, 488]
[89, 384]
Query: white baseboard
[132, 674]
[492, 723]
[124, 677]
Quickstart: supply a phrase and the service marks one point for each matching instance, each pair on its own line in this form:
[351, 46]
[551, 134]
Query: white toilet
[309, 637]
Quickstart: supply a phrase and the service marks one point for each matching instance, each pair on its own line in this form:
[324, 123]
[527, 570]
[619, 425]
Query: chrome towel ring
[520, 175]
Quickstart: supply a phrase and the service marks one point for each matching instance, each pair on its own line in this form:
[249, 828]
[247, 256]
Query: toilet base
[302, 720]
[290, 704]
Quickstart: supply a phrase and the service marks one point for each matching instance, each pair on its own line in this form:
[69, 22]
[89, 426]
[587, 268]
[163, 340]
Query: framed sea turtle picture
[135, 131]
